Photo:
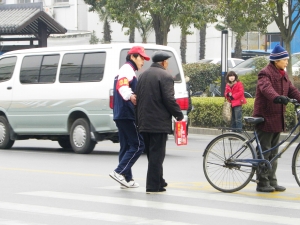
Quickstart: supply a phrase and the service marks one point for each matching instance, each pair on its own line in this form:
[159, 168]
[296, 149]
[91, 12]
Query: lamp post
[224, 59]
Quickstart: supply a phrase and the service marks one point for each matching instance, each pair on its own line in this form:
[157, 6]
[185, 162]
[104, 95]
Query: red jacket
[271, 84]
[237, 91]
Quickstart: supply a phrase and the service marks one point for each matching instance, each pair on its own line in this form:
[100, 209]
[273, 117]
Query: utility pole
[224, 59]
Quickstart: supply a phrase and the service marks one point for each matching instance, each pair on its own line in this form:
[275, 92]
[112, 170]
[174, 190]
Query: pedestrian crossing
[172, 202]
[90, 215]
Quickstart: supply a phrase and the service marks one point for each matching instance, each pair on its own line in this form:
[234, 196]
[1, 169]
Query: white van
[65, 93]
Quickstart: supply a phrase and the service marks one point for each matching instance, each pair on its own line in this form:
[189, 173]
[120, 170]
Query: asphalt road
[43, 185]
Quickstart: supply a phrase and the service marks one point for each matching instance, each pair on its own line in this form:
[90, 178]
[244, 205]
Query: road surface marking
[84, 214]
[223, 197]
[272, 219]
[16, 222]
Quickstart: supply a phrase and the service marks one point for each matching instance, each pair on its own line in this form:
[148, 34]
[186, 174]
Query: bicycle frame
[255, 162]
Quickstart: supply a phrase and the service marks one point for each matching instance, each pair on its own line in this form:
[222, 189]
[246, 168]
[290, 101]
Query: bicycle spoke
[219, 165]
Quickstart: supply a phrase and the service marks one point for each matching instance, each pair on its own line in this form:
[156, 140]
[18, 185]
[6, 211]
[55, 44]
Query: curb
[211, 131]
[208, 131]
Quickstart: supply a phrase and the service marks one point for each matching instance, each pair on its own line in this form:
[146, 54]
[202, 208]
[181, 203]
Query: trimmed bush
[201, 75]
[207, 113]
[249, 81]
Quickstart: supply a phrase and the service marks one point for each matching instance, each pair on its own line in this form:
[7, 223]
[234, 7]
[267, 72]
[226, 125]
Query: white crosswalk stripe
[225, 198]
[84, 214]
[181, 208]
[16, 222]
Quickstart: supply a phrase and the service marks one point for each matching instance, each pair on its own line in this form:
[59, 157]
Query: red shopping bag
[180, 132]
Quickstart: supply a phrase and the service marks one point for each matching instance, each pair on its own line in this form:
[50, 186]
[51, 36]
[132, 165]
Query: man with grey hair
[156, 105]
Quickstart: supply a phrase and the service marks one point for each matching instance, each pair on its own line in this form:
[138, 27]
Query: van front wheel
[5, 141]
[65, 143]
[80, 137]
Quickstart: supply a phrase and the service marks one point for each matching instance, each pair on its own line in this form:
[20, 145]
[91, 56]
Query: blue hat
[278, 53]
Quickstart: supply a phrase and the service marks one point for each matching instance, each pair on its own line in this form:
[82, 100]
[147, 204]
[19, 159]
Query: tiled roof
[23, 19]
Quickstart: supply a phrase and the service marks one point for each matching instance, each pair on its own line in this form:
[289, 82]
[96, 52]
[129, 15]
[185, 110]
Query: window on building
[23, 1]
[7, 66]
[82, 67]
[39, 69]
[61, 1]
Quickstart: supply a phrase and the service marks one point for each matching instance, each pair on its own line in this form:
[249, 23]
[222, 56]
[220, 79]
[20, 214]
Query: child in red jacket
[234, 93]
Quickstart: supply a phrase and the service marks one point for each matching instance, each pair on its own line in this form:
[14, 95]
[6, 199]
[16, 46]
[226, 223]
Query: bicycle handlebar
[292, 100]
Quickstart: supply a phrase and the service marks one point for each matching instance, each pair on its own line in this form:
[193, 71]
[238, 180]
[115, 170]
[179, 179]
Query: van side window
[7, 66]
[39, 69]
[82, 67]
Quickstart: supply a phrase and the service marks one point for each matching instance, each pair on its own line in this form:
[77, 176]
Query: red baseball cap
[139, 50]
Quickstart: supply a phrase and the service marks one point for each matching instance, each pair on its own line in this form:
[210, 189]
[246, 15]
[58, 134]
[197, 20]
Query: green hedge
[201, 75]
[207, 113]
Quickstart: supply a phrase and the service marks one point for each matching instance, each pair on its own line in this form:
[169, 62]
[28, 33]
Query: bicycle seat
[253, 120]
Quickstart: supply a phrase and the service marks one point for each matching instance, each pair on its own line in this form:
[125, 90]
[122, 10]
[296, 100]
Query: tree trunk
[161, 29]
[238, 47]
[287, 46]
[165, 32]
[106, 31]
[183, 44]
[157, 28]
[202, 42]
[131, 35]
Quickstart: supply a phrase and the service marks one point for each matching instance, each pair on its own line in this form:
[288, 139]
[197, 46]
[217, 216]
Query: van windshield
[172, 68]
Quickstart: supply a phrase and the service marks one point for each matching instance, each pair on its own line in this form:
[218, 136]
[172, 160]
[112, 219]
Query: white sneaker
[119, 178]
[132, 184]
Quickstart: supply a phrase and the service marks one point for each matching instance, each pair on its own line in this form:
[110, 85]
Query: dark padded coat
[156, 103]
[271, 84]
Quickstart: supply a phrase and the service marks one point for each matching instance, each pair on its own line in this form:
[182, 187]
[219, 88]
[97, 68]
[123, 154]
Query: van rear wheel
[80, 137]
[5, 141]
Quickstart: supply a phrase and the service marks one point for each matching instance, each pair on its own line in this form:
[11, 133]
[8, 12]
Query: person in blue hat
[273, 88]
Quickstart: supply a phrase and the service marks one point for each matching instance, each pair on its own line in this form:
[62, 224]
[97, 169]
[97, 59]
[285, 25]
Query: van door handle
[9, 88]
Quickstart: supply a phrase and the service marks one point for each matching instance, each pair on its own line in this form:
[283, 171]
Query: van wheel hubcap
[79, 136]
[2, 133]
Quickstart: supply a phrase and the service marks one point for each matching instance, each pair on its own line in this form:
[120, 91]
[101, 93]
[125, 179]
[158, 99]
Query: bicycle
[214, 90]
[230, 160]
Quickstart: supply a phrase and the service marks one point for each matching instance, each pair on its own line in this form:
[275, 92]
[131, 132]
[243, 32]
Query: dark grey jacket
[156, 103]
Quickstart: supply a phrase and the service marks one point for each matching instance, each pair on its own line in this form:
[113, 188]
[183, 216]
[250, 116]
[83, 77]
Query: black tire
[296, 164]
[225, 175]
[80, 137]
[5, 141]
[65, 143]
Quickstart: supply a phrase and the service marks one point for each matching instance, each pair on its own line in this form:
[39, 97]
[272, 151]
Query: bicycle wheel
[247, 95]
[220, 167]
[296, 164]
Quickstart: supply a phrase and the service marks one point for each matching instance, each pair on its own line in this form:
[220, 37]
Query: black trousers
[267, 141]
[155, 147]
